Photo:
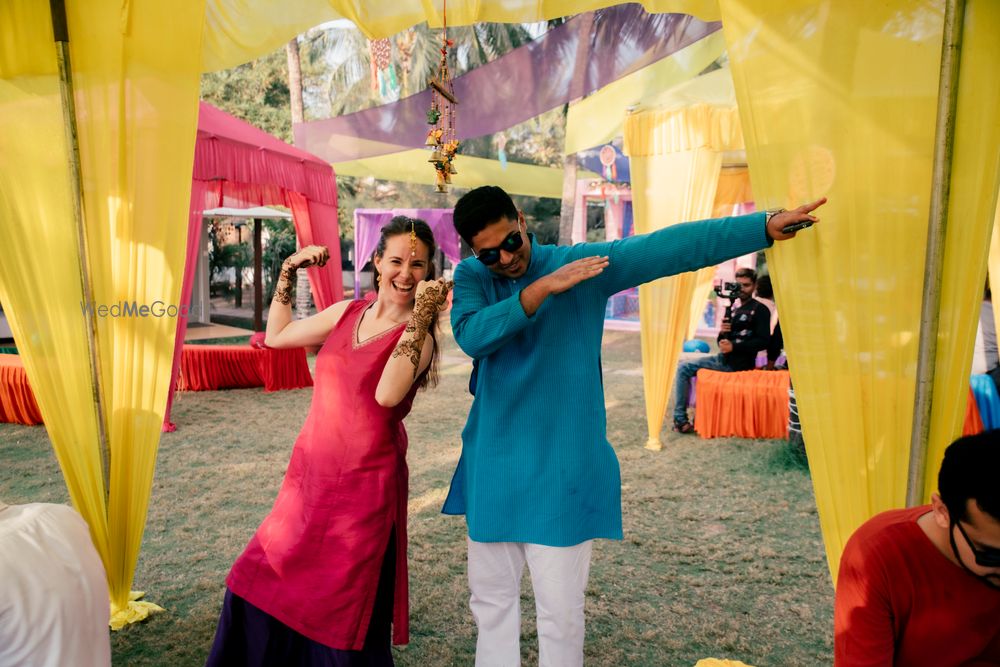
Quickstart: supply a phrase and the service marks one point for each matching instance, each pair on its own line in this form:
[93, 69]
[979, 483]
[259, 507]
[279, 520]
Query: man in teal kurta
[537, 478]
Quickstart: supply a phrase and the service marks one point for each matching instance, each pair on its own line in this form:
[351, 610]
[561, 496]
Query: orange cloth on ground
[973, 421]
[745, 404]
[17, 402]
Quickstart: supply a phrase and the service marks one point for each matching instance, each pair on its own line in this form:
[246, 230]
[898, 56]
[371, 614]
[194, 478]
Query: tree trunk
[295, 80]
[569, 162]
[303, 298]
[568, 200]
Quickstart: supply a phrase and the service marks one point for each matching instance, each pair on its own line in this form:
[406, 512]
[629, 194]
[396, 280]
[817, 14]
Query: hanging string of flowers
[441, 116]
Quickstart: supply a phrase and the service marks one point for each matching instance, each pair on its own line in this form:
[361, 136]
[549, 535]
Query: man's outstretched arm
[481, 328]
[692, 245]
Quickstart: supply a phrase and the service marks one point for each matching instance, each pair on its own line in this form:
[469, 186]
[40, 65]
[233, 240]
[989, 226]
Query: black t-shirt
[751, 329]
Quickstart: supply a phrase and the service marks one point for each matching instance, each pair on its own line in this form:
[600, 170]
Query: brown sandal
[684, 427]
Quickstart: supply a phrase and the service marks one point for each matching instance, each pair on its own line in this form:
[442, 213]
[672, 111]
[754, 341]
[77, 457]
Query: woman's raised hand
[433, 294]
[310, 255]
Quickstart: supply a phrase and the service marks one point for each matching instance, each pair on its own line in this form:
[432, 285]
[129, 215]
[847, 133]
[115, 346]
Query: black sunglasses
[511, 243]
[984, 557]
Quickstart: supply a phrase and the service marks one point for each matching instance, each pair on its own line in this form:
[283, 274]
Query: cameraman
[739, 340]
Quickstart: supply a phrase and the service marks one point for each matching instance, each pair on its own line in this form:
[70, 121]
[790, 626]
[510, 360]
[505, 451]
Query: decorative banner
[520, 85]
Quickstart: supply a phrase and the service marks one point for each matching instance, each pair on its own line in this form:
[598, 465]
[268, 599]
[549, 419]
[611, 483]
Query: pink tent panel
[239, 165]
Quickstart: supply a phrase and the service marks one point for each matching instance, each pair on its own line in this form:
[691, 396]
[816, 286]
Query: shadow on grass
[789, 455]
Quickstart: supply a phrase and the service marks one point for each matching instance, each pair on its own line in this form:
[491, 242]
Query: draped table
[203, 368]
[754, 404]
[744, 404]
[17, 402]
[213, 367]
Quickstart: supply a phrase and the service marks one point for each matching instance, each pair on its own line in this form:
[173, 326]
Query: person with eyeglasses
[537, 479]
[921, 586]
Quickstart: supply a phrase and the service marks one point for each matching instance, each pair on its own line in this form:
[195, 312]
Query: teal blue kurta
[536, 465]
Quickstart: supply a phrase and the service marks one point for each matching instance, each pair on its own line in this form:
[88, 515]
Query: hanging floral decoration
[383, 74]
[441, 116]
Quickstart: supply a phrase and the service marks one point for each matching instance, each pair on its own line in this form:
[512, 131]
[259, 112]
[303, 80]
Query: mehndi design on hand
[283, 288]
[428, 303]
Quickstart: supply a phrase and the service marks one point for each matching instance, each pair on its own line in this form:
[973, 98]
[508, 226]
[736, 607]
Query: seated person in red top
[921, 586]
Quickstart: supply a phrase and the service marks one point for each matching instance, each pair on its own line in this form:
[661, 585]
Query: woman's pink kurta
[314, 562]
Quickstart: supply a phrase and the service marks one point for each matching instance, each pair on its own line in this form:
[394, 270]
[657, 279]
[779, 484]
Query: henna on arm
[283, 288]
[411, 343]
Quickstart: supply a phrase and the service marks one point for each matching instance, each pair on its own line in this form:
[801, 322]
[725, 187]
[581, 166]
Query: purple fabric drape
[368, 223]
[520, 85]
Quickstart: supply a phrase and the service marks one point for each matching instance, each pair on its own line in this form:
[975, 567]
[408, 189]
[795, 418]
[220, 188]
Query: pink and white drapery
[238, 165]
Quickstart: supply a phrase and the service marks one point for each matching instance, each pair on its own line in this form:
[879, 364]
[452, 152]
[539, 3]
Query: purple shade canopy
[516, 87]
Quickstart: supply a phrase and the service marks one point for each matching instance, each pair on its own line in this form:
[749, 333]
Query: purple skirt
[250, 636]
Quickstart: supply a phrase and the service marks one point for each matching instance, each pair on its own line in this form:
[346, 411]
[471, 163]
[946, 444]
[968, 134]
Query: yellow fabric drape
[600, 117]
[994, 266]
[136, 71]
[411, 167]
[733, 189]
[667, 189]
[674, 157]
[40, 270]
[838, 99]
[974, 184]
[238, 31]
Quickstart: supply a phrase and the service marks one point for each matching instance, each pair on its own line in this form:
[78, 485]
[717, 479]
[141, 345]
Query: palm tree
[303, 297]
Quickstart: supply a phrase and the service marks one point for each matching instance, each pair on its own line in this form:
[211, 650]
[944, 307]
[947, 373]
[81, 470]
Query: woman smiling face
[401, 268]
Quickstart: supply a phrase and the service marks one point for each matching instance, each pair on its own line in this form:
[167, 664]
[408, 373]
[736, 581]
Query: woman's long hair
[398, 226]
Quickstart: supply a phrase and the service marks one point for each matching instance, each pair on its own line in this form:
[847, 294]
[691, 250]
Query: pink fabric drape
[238, 165]
[197, 205]
[316, 224]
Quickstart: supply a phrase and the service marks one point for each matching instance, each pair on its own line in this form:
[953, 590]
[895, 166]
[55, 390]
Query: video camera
[728, 291]
[732, 292]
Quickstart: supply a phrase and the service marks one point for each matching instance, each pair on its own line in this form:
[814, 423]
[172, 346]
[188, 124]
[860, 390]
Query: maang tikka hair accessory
[413, 239]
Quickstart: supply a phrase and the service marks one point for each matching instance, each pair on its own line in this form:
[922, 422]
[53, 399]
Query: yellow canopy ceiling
[237, 31]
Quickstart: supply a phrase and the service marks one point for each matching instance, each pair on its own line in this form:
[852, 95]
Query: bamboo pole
[951, 51]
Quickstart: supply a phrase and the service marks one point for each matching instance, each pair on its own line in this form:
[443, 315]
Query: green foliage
[256, 92]
[542, 216]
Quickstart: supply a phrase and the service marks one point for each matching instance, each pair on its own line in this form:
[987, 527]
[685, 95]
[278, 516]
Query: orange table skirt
[213, 367]
[745, 404]
[973, 421]
[17, 401]
[754, 404]
[203, 368]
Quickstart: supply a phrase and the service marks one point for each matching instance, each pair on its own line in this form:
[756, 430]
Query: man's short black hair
[764, 288]
[480, 208]
[747, 273]
[971, 470]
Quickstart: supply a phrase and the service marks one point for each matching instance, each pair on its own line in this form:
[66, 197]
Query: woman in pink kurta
[326, 570]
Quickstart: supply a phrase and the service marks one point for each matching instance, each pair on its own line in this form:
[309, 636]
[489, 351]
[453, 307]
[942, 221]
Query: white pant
[558, 576]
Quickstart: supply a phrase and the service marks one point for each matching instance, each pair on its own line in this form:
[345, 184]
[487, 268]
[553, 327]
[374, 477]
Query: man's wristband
[768, 214]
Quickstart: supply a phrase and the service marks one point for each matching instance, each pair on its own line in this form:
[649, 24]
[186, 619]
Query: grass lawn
[722, 555]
